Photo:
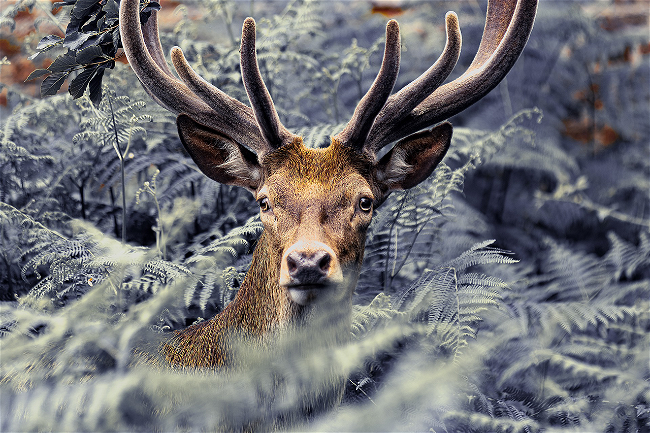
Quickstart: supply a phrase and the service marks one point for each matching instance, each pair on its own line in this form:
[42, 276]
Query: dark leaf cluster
[92, 40]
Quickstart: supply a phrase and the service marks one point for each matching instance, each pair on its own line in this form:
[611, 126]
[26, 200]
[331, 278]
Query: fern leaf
[366, 317]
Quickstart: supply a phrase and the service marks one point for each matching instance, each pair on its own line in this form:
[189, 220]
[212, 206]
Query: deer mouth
[305, 294]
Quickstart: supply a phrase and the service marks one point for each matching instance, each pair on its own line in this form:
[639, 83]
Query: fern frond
[479, 422]
[571, 275]
[165, 271]
[474, 257]
[625, 258]
[148, 284]
[572, 316]
[366, 317]
[215, 263]
[453, 301]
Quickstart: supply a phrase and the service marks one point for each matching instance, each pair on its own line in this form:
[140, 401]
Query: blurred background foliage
[509, 292]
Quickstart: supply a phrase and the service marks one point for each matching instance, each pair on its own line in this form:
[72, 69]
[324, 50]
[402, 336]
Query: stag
[315, 204]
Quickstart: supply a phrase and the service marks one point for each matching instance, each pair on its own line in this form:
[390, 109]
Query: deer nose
[308, 267]
[309, 270]
[310, 263]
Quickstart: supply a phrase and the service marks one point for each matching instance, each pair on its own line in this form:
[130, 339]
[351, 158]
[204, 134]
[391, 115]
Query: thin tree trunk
[115, 230]
[83, 201]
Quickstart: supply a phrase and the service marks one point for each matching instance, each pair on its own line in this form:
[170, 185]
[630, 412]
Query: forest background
[509, 292]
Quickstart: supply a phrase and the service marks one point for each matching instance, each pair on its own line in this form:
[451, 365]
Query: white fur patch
[397, 168]
[236, 166]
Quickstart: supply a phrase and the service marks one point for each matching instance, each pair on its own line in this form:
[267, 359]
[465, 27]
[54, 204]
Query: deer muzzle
[309, 270]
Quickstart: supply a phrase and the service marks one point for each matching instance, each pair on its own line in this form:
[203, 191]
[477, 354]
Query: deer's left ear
[413, 158]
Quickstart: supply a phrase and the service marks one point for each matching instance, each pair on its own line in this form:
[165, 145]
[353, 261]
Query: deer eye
[365, 204]
[265, 205]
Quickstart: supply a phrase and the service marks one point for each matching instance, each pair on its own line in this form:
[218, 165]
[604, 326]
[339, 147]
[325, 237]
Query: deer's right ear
[413, 158]
[218, 156]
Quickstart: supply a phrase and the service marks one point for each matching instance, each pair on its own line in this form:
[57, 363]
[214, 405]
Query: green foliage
[216, 262]
[450, 331]
[92, 38]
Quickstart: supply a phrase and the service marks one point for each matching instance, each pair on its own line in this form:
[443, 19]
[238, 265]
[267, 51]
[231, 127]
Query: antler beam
[259, 129]
[423, 104]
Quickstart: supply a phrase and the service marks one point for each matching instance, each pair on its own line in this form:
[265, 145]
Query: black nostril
[323, 259]
[307, 267]
[292, 262]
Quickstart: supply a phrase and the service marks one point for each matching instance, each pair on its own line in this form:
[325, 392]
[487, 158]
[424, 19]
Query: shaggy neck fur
[260, 308]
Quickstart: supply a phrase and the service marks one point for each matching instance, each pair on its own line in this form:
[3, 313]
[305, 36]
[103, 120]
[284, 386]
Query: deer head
[316, 204]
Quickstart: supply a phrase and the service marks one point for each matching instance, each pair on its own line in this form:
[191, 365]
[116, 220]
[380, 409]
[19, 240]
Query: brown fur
[313, 197]
[300, 179]
[258, 308]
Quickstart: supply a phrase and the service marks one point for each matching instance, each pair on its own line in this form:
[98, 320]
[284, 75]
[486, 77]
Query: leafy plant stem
[390, 234]
[335, 101]
[159, 231]
[115, 225]
[120, 155]
[410, 248]
[459, 324]
[149, 187]
[362, 391]
[505, 97]
[228, 20]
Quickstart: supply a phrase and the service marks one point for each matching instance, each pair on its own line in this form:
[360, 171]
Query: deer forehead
[299, 175]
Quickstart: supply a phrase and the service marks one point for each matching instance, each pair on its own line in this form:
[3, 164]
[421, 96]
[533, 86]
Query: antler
[267, 117]
[258, 128]
[356, 131]
[424, 102]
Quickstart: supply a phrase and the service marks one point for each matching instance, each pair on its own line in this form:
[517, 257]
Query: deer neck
[260, 311]
[262, 306]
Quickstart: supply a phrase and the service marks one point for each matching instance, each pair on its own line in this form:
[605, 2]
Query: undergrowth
[508, 292]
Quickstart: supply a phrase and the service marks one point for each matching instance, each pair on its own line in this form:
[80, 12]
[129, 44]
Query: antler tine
[145, 67]
[505, 35]
[154, 48]
[402, 102]
[228, 112]
[497, 20]
[269, 123]
[152, 42]
[144, 53]
[356, 131]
